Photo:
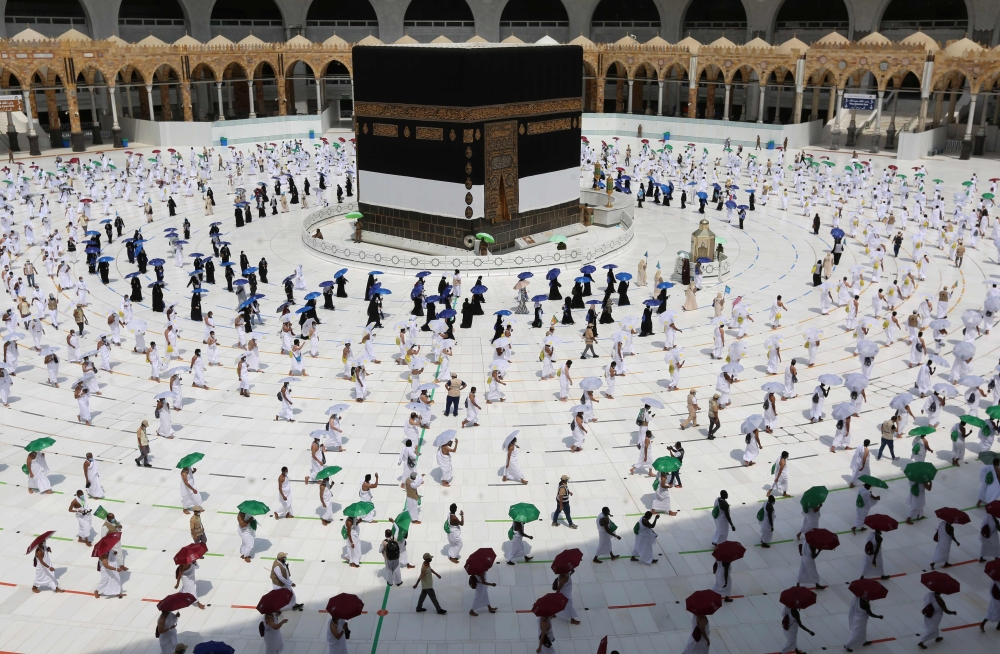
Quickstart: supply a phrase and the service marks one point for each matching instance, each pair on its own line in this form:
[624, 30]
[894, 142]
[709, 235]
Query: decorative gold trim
[468, 198]
[451, 135]
[366, 128]
[468, 152]
[477, 134]
[500, 157]
[430, 133]
[520, 129]
[468, 212]
[466, 136]
[468, 169]
[466, 114]
[554, 125]
[385, 129]
[468, 183]
[406, 131]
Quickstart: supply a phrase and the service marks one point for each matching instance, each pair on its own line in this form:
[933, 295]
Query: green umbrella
[974, 421]
[988, 196]
[359, 509]
[848, 168]
[355, 215]
[403, 521]
[966, 183]
[858, 166]
[151, 159]
[873, 481]
[919, 175]
[920, 472]
[720, 239]
[111, 166]
[993, 412]
[813, 497]
[668, 147]
[253, 507]
[557, 238]
[901, 176]
[922, 431]
[938, 181]
[727, 150]
[40, 444]
[667, 464]
[524, 512]
[752, 156]
[984, 457]
[328, 471]
[485, 237]
[829, 163]
[190, 460]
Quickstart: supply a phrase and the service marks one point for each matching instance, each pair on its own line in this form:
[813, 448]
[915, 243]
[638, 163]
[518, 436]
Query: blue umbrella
[742, 206]
[665, 188]
[837, 232]
[240, 282]
[447, 314]
[200, 291]
[154, 284]
[652, 303]
[623, 277]
[716, 186]
[730, 204]
[609, 266]
[416, 291]
[215, 224]
[245, 303]
[173, 229]
[105, 259]
[382, 291]
[197, 255]
[423, 274]
[593, 301]
[433, 298]
[105, 221]
[586, 270]
[650, 178]
[303, 310]
[131, 275]
[193, 273]
[692, 183]
[213, 647]
[250, 270]
[665, 285]
[625, 177]
[750, 191]
[340, 273]
[227, 264]
[479, 289]
[582, 280]
[180, 242]
[704, 260]
[281, 307]
[92, 249]
[525, 275]
[156, 262]
[313, 295]
[733, 187]
[501, 312]
[702, 195]
[447, 289]
[375, 272]
[540, 298]
[224, 243]
[552, 274]
[287, 278]
[326, 284]
[91, 232]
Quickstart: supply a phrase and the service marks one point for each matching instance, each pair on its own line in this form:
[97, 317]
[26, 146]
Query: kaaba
[457, 139]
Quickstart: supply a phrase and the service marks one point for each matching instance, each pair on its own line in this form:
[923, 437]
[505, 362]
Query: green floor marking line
[702, 508]
[712, 549]
[776, 498]
[108, 499]
[776, 542]
[167, 506]
[213, 554]
[378, 627]
[271, 558]
[225, 512]
[133, 547]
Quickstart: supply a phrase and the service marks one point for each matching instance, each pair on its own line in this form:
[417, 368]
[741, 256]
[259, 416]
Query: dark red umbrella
[345, 606]
[106, 544]
[822, 539]
[940, 582]
[603, 647]
[868, 589]
[881, 522]
[992, 570]
[953, 516]
[480, 561]
[729, 551]
[797, 597]
[703, 602]
[38, 541]
[547, 606]
[190, 553]
[566, 561]
[993, 508]
[176, 602]
[275, 600]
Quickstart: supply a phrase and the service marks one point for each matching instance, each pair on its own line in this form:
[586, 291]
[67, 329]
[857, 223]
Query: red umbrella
[156, 152]
[993, 508]
[38, 541]
[881, 522]
[106, 544]
[822, 539]
[953, 516]
[74, 160]
[341, 139]
[86, 200]
[644, 141]
[868, 589]
[190, 553]
[566, 561]
[992, 179]
[480, 561]
[993, 570]
[620, 169]
[729, 551]
[703, 602]
[603, 647]
[345, 606]
[797, 597]
[171, 150]
[890, 167]
[128, 152]
[176, 602]
[940, 582]
[274, 601]
[547, 606]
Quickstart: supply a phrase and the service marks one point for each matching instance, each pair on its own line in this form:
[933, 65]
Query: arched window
[614, 19]
[707, 22]
[438, 13]
[341, 13]
[809, 20]
[251, 13]
[138, 18]
[941, 19]
[50, 17]
[530, 20]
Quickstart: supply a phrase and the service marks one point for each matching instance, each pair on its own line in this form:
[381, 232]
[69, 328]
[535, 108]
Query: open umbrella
[39, 444]
[822, 539]
[953, 516]
[213, 647]
[751, 423]
[868, 589]
[523, 512]
[345, 606]
[445, 437]
[974, 421]
[940, 582]
[190, 553]
[797, 597]
[830, 380]
[190, 460]
[729, 551]
[106, 544]
[567, 561]
[253, 507]
[328, 472]
[359, 509]
[667, 464]
[485, 237]
[993, 508]
[548, 605]
[920, 472]
[922, 430]
[176, 602]
[38, 541]
[591, 383]
[275, 600]
[881, 522]
[653, 402]
[813, 497]
[480, 561]
[873, 481]
[703, 602]
[992, 570]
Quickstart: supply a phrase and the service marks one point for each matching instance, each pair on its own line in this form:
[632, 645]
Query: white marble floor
[640, 608]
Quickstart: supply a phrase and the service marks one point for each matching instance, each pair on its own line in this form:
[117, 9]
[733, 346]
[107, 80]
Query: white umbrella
[900, 401]
[718, 320]
[965, 350]
[179, 370]
[732, 368]
[856, 382]
[993, 304]
[940, 323]
[419, 407]
[287, 380]
[445, 437]
[772, 387]
[814, 334]
[618, 336]
[830, 379]
[88, 353]
[446, 343]
[972, 381]
[751, 423]
[511, 436]
[439, 325]
[503, 341]
[945, 389]
[842, 410]
[319, 433]
[668, 316]
[579, 408]
[82, 380]
[337, 409]
[553, 340]
[590, 383]
[630, 322]
[52, 349]
[653, 402]
[165, 395]
[939, 360]
[971, 318]
[867, 348]
[772, 341]
[739, 348]
[427, 387]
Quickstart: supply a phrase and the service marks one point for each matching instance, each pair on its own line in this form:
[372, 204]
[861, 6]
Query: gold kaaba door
[500, 153]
